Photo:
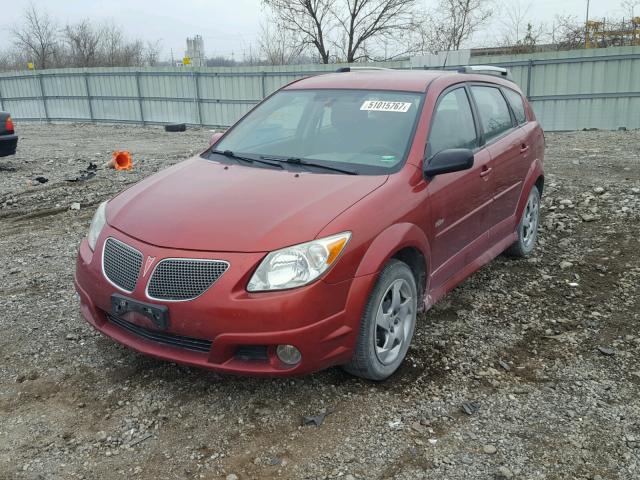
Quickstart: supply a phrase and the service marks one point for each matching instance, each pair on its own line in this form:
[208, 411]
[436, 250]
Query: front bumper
[321, 319]
[8, 145]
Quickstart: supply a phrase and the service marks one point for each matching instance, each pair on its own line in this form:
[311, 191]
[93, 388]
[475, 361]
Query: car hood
[204, 205]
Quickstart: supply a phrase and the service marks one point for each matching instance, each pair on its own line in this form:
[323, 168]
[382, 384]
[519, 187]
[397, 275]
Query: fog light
[288, 354]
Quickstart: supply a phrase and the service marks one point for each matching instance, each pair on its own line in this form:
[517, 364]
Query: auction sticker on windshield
[382, 106]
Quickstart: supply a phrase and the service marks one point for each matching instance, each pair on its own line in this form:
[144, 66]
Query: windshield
[362, 130]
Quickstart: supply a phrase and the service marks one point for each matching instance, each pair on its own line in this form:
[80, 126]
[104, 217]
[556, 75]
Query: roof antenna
[446, 57]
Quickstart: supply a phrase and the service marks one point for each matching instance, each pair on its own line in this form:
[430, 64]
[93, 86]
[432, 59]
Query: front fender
[388, 242]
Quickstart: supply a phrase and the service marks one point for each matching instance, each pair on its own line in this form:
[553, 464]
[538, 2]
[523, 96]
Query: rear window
[517, 105]
[494, 112]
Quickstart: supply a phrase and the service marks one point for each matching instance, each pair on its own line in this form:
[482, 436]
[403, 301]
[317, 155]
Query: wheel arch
[540, 183]
[414, 258]
[405, 242]
[535, 177]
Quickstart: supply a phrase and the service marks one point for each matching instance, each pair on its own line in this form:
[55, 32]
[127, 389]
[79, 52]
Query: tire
[387, 324]
[527, 227]
[175, 127]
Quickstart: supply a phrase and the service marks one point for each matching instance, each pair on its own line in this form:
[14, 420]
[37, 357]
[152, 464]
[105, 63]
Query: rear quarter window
[517, 105]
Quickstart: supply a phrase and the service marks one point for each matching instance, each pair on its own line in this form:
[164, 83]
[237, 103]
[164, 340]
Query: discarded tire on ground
[175, 127]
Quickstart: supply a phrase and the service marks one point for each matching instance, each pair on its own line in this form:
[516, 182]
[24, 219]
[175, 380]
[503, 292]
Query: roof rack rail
[486, 70]
[349, 69]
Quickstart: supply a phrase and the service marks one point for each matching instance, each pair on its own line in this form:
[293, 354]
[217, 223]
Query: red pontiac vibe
[312, 232]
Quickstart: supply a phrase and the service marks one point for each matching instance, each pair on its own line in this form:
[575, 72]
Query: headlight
[298, 265]
[98, 221]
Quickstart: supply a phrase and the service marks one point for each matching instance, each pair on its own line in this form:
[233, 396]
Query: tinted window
[516, 104]
[452, 125]
[494, 113]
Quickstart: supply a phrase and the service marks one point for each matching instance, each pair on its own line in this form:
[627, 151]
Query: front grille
[188, 343]
[121, 264]
[184, 279]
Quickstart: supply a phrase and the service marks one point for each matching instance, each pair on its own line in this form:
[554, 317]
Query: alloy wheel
[530, 221]
[395, 320]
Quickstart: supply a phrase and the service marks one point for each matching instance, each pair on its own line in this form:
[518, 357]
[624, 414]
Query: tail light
[8, 126]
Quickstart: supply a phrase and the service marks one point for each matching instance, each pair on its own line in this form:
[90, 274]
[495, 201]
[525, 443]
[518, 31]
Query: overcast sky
[227, 26]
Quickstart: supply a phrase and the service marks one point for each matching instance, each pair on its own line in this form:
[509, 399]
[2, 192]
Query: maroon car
[313, 231]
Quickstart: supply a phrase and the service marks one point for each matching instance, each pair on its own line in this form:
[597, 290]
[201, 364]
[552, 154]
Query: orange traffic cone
[120, 160]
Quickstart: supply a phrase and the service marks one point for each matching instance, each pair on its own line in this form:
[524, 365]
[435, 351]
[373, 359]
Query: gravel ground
[541, 353]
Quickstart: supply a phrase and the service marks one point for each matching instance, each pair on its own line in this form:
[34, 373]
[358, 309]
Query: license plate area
[157, 314]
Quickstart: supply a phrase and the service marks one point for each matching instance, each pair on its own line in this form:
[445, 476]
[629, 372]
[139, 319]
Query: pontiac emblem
[147, 265]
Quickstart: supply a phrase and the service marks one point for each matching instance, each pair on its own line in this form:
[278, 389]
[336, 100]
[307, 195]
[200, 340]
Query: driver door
[459, 201]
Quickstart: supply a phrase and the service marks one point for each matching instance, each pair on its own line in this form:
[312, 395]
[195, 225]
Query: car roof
[394, 80]
[399, 80]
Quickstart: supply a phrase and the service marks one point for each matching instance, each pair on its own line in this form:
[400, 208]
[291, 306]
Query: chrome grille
[121, 264]
[184, 279]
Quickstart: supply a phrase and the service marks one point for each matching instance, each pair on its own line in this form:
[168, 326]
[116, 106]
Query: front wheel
[387, 325]
[528, 227]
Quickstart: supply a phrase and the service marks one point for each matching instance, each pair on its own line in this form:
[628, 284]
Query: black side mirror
[447, 161]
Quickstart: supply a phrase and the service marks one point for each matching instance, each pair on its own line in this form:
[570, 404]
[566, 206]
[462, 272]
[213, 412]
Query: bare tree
[279, 46]
[567, 32]
[118, 51]
[152, 53]
[354, 28]
[460, 19]
[519, 32]
[514, 17]
[311, 19]
[450, 24]
[374, 21]
[111, 46]
[132, 54]
[83, 41]
[631, 8]
[37, 36]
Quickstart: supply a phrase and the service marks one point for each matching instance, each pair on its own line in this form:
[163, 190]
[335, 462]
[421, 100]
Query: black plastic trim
[178, 341]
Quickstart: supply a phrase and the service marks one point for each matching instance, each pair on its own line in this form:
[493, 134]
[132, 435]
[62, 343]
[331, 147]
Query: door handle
[524, 148]
[485, 171]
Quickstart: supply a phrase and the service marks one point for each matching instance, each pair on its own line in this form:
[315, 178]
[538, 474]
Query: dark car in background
[8, 137]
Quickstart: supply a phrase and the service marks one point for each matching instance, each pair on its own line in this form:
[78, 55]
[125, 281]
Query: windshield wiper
[230, 154]
[300, 161]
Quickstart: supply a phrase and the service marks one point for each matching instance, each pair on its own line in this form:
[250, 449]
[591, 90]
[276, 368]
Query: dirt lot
[547, 348]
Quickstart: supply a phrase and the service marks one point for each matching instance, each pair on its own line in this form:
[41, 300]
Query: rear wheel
[387, 325]
[528, 227]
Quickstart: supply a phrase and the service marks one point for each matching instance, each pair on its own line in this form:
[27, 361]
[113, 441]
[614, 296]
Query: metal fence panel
[112, 85]
[116, 110]
[568, 90]
[68, 109]
[25, 109]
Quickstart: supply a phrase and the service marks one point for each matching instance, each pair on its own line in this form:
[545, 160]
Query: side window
[515, 100]
[494, 112]
[452, 125]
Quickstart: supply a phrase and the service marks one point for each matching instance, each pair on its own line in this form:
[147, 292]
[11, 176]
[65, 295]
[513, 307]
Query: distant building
[195, 51]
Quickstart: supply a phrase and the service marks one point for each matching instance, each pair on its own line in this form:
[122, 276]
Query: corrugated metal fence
[569, 90]
[578, 89]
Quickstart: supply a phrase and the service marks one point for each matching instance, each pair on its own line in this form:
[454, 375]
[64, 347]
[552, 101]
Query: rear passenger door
[459, 201]
[527, 128]
[503, 140]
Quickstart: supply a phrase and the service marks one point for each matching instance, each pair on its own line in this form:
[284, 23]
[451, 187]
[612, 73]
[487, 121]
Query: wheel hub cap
[394, 321]
[530, 221]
